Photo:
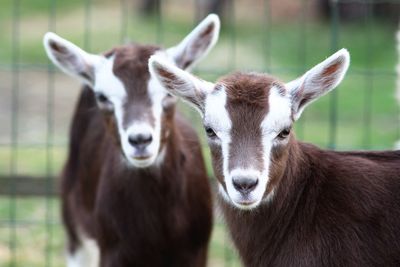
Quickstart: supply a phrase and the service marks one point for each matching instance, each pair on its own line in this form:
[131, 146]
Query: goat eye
[284, 133]
[210, 132]
[102, 98]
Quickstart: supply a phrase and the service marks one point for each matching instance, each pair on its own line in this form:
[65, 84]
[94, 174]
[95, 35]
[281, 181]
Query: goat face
[136, 106]
[248, 120]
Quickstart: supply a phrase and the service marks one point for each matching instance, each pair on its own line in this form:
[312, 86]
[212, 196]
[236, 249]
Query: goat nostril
[140, 139]
[244, 185]
[132, 141]
[149, 139]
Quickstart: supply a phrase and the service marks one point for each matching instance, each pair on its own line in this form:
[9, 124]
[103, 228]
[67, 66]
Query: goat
[130, 194]
[289, 203]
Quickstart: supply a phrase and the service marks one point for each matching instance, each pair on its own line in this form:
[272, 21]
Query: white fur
[113, 88]
[253, 198]
[312, 81]
[216, 114]
[189, 86]
[110, 85]
[87, 255]
[107, 83]
[190, 44]
[217, 117]
[82, 60]
[278, 117]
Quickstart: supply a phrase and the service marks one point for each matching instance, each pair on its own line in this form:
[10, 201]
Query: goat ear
[180, 83]
[70, 58]
[318, 81]
[197, 44]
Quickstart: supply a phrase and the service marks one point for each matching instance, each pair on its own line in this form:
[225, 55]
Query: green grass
[32, 160]
[34, 230]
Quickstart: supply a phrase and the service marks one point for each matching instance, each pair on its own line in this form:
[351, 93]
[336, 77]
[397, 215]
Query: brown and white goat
[289, 203]
[134, 188]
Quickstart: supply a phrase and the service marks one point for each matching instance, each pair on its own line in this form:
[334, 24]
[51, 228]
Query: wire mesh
[361, 114]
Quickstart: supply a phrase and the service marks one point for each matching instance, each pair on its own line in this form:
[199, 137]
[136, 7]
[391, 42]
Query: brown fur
[170, 81]
[247, 104]
[158, 216]
[328, 209]
[252, 88]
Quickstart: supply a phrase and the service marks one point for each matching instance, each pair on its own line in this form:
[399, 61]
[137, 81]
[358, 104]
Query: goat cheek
[165, 131]
[112, 128]
[217, 162]
[279, 157]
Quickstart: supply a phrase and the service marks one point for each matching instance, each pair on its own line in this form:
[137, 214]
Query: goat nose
[140, 140]
[244, 185]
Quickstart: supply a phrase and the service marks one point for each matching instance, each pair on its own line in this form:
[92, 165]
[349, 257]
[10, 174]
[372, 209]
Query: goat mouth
[141, 161]
[246, 203]
[140, 156]
[145, 157]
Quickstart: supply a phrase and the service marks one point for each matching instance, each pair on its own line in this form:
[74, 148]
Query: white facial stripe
[111, 86]
[106, 82]
[216, 114]
[278, 117]
[279, 113]
[157, 94]
[217, 117]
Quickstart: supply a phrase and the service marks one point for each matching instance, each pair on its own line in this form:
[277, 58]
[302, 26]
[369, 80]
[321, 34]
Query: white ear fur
[318, 81]
[180, 83]
[70, 58]
[197, 44]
